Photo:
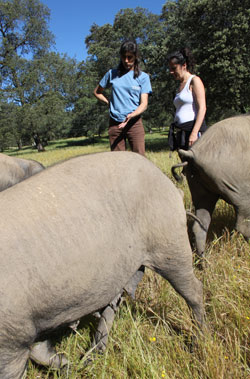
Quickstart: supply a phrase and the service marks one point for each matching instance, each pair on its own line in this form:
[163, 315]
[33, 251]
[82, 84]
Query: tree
[23, 30]
[40, 84]
[48, 85]
[23, 33]
[218, 33]
[8, 119]
[89, 116]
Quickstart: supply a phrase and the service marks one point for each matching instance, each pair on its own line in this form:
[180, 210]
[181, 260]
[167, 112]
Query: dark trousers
[178, 136]
[133, 132]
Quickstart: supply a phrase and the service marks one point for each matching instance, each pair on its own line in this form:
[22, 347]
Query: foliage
[50, 95]
[218, 34]
[89, 117]
[42, 89]
[23, 31]
[7, 125]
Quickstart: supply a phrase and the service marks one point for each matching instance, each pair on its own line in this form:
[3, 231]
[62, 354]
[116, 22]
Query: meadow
[152, 336]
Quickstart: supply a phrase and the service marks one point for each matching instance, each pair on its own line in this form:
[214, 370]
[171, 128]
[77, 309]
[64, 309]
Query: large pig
[218, 166]
[81, 230]
[14, 170]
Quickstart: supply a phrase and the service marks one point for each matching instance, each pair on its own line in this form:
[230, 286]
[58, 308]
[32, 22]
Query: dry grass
[152, 337]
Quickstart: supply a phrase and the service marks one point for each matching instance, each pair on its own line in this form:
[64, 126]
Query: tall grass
[152, 336]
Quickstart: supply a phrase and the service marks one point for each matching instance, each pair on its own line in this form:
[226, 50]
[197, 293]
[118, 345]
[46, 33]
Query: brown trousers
[133, 132]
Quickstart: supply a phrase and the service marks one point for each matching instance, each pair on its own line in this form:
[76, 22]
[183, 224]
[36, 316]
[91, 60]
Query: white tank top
[185, 105]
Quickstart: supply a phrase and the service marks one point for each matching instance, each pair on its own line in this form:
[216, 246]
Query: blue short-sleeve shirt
[126, 92]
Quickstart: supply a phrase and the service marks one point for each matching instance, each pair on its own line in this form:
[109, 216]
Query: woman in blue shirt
[129, 99]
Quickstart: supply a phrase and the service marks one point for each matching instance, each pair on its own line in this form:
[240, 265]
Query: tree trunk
[19, 145]
[38, 143]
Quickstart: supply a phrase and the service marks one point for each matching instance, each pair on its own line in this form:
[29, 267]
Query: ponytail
[183, 56]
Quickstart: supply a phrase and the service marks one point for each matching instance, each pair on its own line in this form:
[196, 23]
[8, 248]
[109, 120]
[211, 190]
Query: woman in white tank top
[190, 101]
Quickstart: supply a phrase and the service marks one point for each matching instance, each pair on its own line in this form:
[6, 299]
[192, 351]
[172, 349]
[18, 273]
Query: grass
[152, 336]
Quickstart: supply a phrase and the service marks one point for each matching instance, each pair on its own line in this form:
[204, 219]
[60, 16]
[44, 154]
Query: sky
[71, 20]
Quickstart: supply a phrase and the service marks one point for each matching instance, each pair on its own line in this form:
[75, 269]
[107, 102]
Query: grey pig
[218, 166]
[81, 230]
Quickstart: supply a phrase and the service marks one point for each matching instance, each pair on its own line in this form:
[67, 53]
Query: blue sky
[70, 20]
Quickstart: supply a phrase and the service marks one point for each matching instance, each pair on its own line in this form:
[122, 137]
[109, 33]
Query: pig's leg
[200, 229]
[105, 324]
[132, 285]
[44, 354]
[204, 203]
[108, 315]
[180, 274]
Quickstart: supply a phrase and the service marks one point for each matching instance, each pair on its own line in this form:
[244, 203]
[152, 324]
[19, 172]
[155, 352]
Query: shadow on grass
[61, 144]
[223, 219]
[157, 141]
[153, 142]
[56, 337]
[23, 151]
[82, 142]
[89, 322]
[156, 144]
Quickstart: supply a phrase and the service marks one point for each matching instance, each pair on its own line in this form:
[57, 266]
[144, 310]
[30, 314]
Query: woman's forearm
[98, 92]
[142, 107]
[199, 119]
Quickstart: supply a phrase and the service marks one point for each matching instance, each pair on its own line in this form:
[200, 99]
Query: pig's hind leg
[181, 276]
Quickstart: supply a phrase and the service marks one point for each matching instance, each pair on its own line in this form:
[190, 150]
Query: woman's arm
[98, 92]
[142, 107]
[200, 99]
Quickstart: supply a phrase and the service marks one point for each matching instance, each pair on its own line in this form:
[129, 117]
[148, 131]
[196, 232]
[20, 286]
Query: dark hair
[183, 56]
[129, 46]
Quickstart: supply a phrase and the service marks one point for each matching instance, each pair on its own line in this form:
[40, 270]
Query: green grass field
[151, 337]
